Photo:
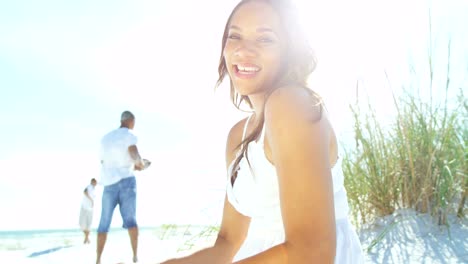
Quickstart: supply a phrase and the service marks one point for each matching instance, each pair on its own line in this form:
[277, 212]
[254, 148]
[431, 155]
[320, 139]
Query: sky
[69, 68]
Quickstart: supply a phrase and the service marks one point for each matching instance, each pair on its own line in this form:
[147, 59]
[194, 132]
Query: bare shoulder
[233, 140]
[293, 102]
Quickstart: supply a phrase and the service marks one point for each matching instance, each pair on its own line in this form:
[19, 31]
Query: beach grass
[191, 236]
[416, 161]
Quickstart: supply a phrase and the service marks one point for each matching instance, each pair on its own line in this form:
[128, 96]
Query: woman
[283, 205]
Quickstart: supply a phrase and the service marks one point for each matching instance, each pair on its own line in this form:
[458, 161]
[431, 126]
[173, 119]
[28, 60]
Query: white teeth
[248, 69]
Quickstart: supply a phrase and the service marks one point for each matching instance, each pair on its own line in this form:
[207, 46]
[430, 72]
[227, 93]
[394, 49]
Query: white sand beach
[409, 237]
[404, 237]
[155, 244]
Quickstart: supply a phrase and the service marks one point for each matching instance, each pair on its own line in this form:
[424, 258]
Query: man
[119, 159]
[86, 212]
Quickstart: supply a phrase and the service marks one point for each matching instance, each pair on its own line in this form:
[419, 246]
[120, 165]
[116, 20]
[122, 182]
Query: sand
[404, 237]
[409, 237]
[154, 247]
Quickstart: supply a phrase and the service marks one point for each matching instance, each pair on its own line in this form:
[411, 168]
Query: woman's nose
[246, 49]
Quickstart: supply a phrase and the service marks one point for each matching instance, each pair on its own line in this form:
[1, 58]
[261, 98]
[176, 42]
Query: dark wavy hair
[298, 63]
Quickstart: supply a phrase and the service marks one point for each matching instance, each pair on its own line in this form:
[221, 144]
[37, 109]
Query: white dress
[256, 194]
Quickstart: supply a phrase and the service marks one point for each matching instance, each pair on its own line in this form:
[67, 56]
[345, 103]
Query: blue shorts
[122, 193]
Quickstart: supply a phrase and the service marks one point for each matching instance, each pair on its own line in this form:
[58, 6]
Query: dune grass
[418, 161]
[191, 236]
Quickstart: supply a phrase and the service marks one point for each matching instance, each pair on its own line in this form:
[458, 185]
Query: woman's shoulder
[237, 130]
[294, 101]
[235, 136]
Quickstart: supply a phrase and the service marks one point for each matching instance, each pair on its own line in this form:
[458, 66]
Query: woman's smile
[246, 70]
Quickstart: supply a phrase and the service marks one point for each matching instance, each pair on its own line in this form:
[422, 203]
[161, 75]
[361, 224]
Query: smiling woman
[285, 199]
[252, 73]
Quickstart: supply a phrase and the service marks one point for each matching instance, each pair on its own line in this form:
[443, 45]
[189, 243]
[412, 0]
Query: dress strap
[245, 127]
[244, 134]
[262, 134]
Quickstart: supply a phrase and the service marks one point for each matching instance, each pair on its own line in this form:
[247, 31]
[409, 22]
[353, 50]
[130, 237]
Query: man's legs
[109, 201]
[127, 199]
[133, 233]
[101, 242]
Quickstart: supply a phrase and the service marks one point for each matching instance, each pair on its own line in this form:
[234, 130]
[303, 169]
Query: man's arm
[133, 150]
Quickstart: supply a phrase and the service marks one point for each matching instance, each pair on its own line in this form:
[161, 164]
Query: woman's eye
[233, 36]
[266, 40]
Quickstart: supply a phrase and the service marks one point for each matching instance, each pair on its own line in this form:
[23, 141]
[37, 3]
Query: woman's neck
[258, 104]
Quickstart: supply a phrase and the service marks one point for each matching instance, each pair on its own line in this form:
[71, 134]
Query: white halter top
[256, 192]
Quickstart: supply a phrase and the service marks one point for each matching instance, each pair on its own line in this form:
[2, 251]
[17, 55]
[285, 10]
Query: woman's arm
[298, 136]
[233, 230]
[234, 226]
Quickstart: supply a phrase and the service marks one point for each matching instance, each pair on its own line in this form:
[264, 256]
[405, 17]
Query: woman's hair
[297, 64]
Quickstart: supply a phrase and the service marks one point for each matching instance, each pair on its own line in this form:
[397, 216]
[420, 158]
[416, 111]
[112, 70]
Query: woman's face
[253, 50]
